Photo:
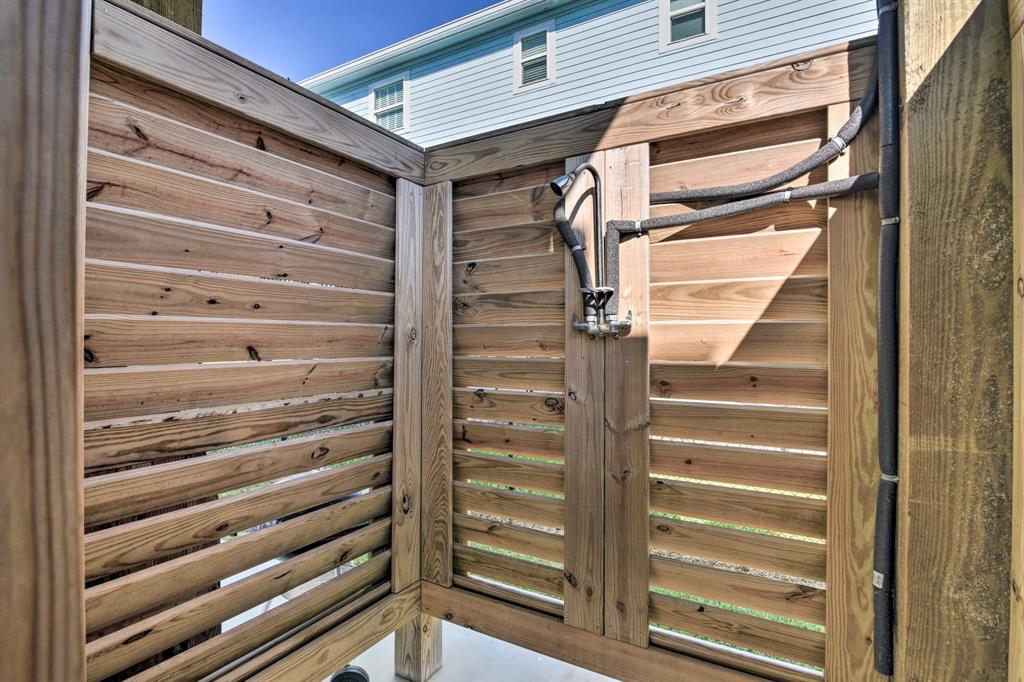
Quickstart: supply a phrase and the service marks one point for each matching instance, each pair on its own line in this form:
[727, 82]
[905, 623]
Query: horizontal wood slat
[766, 299]
[517, 473]
[809, 125]
[796, 215]
[128, 183]
[507, 569]
[133, 132]
[128, 235]
[534, 374]
[508, 536]
[758, 425]
[549, 636]
[784, 470]
[115, 83]
[136, 642]
[121, 340]
[118, 288]
[750, 591]
[174, 57]
[765, 254]
[546, 408]
[509, 275]
[533, 509]
[516, 440]
[135, 491]
[352, 590]
[735, 167]
[510, 595]
[797, 558]
[131, 544]
[743, 383]
[782, 513]
[320, 657]
[802, 343]
[119, 599]
[734, 98]
[534, 204]
[535, 340]
[118, 392]
[501, 242]
[506, 180]
[159, 436]
[761, 635]
[537, 307]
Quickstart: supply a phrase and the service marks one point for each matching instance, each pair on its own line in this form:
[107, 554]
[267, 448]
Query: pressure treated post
[627, 409]
[408, 414]
[956, 292]
[584, 429]
[853, 237]
[44, 53]
[1017, 572]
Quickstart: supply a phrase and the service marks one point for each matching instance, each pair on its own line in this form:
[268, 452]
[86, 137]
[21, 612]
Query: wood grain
[436, 522]
[509, 275]
[547, 635]
[519, 340]
[516, 473]
[627, 416]
[534, 407]
[409, 267]
[801, 602]
[132, 544]
[770, 511]
[763, 254]
[539, 307]
[501, 242]
[124, 182]
[687, 108]
[750, 632]
[534, 374]
[509, 536]
[741, 383]
[955, 357]
[584, 421]
[128, 235]
[192, 431]
[44, 51]
[524, 507]
[128, 41]
[510, 570]
[510, 439]
[853, 423]
[757, 425]
[1017, 571]
[769, 343]
[418, 649]
[768, 299]
[123, 340]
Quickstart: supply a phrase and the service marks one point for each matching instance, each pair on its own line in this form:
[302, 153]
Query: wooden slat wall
[508, 387]
[738, 400]
[239, 343]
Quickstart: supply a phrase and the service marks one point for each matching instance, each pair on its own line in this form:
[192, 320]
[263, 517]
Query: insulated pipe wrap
[882, 579]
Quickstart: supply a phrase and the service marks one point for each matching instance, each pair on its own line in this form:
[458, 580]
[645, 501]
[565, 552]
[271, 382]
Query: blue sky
[298, 38]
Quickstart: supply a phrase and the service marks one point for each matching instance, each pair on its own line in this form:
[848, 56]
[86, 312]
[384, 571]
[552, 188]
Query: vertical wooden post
[1017, 572]
[437, 385]
[853, 231]
[44, 50]
[627, 409]
[584, 430]
[418, 648]
[956, 292]
[405, 510]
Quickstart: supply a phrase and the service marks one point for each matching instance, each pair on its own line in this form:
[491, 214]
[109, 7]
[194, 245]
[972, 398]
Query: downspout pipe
[888, 329]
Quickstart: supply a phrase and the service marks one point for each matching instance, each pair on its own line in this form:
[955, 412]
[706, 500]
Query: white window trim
[517, 57]
[372, 113]
[665, 43]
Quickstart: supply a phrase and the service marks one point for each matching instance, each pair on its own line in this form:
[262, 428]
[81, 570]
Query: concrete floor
[471, 657]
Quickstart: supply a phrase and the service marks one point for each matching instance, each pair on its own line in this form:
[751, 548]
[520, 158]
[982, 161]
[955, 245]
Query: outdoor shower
[600, 298]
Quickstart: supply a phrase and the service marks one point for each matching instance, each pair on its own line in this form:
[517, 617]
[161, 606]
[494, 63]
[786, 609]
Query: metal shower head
[562, 183]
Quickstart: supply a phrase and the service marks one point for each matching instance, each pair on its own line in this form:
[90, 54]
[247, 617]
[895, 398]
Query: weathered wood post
[956, 290]
[44, 50]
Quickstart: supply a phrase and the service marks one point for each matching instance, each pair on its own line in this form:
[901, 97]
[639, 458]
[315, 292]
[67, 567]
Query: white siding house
[525, 59]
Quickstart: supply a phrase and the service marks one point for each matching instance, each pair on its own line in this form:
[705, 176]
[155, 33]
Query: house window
[388, 103]
[534, 57]
[686, 22]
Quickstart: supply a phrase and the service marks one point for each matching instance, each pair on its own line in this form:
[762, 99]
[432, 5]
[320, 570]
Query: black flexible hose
[579, 258]
[830, 150]
[888, 328]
